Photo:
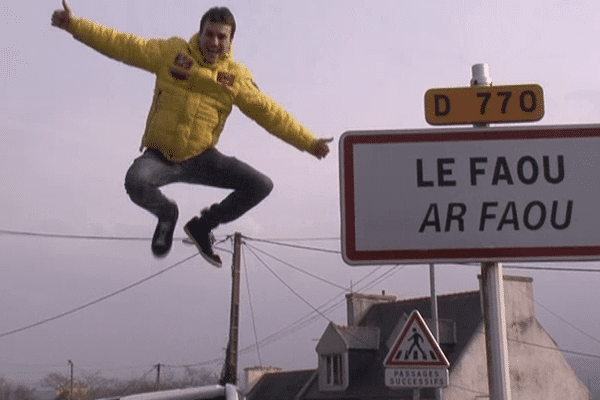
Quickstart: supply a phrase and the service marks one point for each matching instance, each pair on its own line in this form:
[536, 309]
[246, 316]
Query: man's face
[214, 41]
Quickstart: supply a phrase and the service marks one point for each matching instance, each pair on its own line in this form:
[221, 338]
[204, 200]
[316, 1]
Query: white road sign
[486, 194]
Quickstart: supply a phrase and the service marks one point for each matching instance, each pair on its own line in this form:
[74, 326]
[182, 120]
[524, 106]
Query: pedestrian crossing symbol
[415, 346]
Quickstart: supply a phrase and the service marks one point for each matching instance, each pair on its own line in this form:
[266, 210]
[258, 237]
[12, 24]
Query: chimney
[519, 302]
[358, 304]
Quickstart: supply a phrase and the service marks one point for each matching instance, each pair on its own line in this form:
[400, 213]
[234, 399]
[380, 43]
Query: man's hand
[321, 149]
[62, 18]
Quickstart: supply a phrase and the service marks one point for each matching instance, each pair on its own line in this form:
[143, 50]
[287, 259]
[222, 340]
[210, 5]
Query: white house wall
[468, 377]
[538, 371]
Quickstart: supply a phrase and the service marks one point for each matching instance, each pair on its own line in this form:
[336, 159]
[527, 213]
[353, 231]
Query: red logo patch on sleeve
[225, 79]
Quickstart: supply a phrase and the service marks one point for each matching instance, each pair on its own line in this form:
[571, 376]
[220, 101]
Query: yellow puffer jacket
[188, 114]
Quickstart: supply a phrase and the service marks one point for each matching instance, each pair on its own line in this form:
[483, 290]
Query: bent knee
[266, 186]
[135, 184]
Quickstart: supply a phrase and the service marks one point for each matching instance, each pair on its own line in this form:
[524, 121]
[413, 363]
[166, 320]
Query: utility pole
[157, 385]
[71, 390]
[229, 374]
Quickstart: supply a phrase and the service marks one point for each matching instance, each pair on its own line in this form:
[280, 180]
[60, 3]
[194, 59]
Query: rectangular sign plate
[493, 104]
[471, 195]
[398, 378]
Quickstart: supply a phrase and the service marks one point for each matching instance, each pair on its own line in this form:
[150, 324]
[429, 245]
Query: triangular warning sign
[415, 346]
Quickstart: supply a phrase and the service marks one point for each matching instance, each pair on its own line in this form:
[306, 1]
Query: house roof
[464, 309]
[350, 337]
[280, 385]
[358, 337]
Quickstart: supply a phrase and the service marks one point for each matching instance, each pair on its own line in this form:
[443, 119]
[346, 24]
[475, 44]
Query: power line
[535, 268]
[297, 269]
[321, 310]
[556, 349]
[288, 286]
[304, 239]
[561, 318]
[118, 291]
[553, 348]
[83, 237]
[269, 241]
[251, 309]
[315, 309]
[561, 269]
[311, 316]
[65, 236]
[394, 269]
[568, 323]
[98, 300]
[293, 245]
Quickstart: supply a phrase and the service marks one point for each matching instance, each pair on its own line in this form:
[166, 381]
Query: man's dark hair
[219, 15]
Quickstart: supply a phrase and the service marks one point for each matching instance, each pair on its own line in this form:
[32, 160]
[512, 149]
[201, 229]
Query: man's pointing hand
[321, 149]
[62, 18]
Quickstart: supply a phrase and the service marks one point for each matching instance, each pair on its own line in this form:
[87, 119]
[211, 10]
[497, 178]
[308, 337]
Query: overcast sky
[71, 124]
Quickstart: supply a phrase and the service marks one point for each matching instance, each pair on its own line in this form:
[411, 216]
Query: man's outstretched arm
[269, 114]
[128, 48]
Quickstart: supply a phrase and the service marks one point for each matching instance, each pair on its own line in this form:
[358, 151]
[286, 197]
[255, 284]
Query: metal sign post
[492, 290]
[435, 325]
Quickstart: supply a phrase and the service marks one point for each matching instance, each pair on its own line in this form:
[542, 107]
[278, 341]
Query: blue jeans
[152, 170]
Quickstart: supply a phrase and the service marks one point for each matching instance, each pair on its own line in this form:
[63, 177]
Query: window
[334, 370]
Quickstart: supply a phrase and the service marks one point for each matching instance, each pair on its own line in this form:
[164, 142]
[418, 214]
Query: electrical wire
[482, 394]
[535, 268]
[394, 269]
[294, 246]
[64, 236]
[288, 286]
[91, 303]
[307, 319]
[214, 361]
[561, 318]
[556, 349]
[297, 269]
[560, 269]
[91, 237]
[311, 316]
[391, 271]
[568, 323]
[251, 309]
[553, 348]
[356, 337]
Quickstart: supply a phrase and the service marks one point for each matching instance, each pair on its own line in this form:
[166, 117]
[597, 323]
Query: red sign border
[442, 360]
[481, 254]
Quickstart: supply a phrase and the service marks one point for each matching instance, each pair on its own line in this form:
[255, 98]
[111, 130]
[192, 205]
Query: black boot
[199, 231]
[163, 234]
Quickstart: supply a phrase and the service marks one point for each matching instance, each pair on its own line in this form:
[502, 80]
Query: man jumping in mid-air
[197, 83]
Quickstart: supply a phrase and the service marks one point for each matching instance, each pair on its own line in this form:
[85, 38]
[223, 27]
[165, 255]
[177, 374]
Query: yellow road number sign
[485, 104]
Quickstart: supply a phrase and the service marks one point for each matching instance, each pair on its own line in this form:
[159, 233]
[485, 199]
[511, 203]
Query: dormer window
[337, 347]
[334, 370]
